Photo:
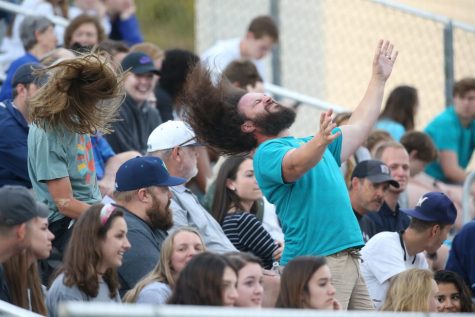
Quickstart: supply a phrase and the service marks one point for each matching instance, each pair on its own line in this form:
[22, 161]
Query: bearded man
[300, 176]
[142, 190]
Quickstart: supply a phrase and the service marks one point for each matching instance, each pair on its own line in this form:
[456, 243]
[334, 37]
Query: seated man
[14, 121]
[389, 217]
[261, 35]
[453, 133]
[142, 190]
[369, 182]
[389, 253]
[137, 117]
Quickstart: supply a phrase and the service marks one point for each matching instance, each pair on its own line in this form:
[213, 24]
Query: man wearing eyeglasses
[175, 143]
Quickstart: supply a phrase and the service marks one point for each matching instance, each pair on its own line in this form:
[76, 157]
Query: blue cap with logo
[144, 171]
[139, 63]
[434, 207]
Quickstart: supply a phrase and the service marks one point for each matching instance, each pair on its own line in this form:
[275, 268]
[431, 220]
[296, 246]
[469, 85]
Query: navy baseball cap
[25, 75]
[144, 171]
[376, 171]
[434, 207]
[139, 63]
[18, 206]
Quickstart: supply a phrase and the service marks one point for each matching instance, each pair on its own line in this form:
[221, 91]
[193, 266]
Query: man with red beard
[141, 186]
[301, 176]
[369, 182]
[389, 217]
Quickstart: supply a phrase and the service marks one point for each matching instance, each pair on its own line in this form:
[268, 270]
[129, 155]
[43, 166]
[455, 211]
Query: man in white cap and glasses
[175, 143]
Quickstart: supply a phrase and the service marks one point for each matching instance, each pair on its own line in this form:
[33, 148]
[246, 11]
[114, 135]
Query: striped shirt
[247, 234]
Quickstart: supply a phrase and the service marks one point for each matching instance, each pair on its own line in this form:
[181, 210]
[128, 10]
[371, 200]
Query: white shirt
[382, 258]
[217, 57]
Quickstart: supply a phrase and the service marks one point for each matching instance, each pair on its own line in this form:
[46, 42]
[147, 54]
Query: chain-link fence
[326, 48]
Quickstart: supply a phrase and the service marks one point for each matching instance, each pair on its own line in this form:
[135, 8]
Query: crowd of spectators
[108, 144]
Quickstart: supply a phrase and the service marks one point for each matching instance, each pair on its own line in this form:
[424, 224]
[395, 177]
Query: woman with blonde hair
[414, 290]
[177, 250]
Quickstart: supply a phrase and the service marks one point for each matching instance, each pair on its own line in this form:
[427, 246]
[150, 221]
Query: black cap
[139, 63]
[25, 75]
[376, 171]
[18, 206]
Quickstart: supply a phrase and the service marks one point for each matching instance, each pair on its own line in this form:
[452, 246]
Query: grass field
[168, 23]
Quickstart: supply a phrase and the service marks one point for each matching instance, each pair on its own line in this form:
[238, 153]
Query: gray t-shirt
[154, 293]
[59, 293]
[188, 212]
[60, 153]
[144, 253]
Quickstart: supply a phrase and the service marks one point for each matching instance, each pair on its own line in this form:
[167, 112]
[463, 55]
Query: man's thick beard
[272, 123]
[160, 217]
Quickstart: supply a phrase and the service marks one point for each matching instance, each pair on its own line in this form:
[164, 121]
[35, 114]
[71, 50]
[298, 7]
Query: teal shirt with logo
[315, 211]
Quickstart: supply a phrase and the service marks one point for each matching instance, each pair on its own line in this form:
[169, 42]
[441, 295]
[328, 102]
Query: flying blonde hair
[82, 95]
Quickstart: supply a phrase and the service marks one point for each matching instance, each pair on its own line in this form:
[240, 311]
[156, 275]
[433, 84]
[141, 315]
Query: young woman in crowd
[307, 283]
[399, 112]
[453, 295]
[177, 250]
[21, 272]
[413, 290]
[208, 279]
[98, 243]
[234, 206]
[250, 279]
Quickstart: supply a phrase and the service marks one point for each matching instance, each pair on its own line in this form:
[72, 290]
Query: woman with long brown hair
[234, 207]
[22, 275]
[95, 251]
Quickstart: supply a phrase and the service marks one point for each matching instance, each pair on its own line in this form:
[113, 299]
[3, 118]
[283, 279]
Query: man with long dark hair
[300, 176]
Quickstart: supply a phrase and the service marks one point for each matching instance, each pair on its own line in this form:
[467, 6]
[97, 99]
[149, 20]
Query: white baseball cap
[169, 135]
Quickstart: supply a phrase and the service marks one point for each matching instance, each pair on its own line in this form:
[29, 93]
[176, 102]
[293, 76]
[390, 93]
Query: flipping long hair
[83, 254]
[163, 271]
[82, 95]
[211, 110]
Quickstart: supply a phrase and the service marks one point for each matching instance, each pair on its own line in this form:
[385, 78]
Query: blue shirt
[6, 92]
[13, 146]
[395, 129]
[315, 211]
[388, 220]
[102, 152]
[449, 134]
[462, 255]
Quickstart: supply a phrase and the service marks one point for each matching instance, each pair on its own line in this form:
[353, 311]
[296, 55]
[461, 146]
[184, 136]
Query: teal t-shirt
[315, 211]
[448, 134]
[60, 153]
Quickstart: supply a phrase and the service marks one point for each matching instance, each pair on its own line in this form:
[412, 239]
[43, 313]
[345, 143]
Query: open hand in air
[384, 59]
